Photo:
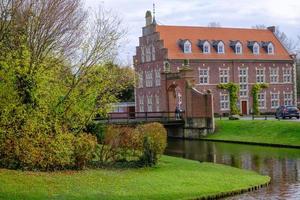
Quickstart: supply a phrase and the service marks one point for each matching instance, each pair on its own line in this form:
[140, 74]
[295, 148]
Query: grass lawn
[258, 131]
[173, 178]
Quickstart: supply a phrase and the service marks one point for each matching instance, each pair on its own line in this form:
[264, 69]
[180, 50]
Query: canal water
[281, 164]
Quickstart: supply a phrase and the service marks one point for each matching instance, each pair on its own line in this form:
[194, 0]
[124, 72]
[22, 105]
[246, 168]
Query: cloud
[231, 13]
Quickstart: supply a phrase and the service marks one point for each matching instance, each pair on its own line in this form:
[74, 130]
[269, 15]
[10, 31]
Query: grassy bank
[173, 178]
[258, 131]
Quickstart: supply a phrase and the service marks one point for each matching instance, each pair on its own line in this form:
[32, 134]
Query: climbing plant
[255, 90]
[233, 90]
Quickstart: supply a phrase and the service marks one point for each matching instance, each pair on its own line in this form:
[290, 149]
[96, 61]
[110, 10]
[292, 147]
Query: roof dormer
[219, 46]
[236, 46]
[185, 45]
[204, 45]
[268, 47]
[254, 47]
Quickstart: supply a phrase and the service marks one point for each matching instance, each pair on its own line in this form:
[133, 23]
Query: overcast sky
[229, 13]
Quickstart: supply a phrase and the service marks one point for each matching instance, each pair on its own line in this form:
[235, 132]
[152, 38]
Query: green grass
[173, 178]
[258, 131]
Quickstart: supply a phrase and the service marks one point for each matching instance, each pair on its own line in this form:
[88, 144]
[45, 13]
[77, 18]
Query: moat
[281, 164]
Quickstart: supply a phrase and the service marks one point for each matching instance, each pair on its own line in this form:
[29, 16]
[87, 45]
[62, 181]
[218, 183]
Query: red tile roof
[172, 34]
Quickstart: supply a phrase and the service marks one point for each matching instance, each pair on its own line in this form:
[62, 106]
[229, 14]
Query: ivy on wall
[233, 90]
[255, 90]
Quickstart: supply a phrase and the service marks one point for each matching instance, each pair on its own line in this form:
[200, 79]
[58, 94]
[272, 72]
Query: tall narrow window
[203, 76]
[149, 78]
[224, 75]
[256, 48]
[262, 100]
[288, 98]
[141, 103]
[157, 101]
[260, 75]
[224, 101]
[157, 77]
[287, 75]
[187, 47]
[274, 100]
[142, 54]
[238, 48]
[141, 80]
[270, 48]
[243, 75]
[206, 47]
[153, 52]
[149, 103]
[273, 75]
[221, 47]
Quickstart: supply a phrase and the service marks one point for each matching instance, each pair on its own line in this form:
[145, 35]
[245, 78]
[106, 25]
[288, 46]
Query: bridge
[133, 118]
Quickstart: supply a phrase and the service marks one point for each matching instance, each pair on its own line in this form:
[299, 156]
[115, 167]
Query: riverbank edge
[250, 143]
[235, 192]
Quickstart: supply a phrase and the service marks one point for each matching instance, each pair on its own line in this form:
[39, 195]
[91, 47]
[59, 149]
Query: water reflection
[281, 164]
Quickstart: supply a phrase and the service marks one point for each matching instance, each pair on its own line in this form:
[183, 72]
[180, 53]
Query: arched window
[256, 48]
[221, 47]
[270, 48]
[206, 47]
[153, 52]
[187, 47]
[238, 48]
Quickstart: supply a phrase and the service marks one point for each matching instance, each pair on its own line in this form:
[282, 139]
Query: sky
[284, 14]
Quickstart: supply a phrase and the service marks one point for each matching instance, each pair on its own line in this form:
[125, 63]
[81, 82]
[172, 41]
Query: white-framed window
[141, 80]
[142, 54]
[274, 100]
[288, 98]
[157, 102]
[221, 48]
[141, 103]
[224, 101]
[260, 75]
[148, 54]
[206, 47]
[243, 78]
[273, 75]
[238, 48]
[287, 75]
[153, 52]
[203, 76]
[157, 77]
[262, 100]
[243, 74]
[224, 75]
[187, 47]
[149, 103]
[270, 48]
[243, 90]
[149, 78]
[256, 48]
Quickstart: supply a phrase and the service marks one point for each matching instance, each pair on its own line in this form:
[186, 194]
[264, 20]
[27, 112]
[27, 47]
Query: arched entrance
[174, 97]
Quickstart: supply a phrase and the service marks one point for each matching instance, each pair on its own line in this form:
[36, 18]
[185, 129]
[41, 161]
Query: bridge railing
[142, 116]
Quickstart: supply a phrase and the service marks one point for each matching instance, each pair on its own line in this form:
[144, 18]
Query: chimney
[148, 18]
[272, 29]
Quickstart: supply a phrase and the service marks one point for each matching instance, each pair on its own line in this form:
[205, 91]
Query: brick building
[214, 56]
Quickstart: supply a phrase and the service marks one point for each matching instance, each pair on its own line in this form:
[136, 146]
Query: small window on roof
[256, 48]
[206, 47]
[238, 48]
[187, 47]
[270, 48]
[221, 47]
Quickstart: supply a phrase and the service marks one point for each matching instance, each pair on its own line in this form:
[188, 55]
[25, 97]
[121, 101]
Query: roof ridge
[236, 28]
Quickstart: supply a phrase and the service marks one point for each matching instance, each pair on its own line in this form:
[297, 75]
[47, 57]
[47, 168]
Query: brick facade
[153, 52]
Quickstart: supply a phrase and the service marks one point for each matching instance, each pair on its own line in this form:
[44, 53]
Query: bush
[154, 142]
[85, 148]
[96, 129]
[44, 152]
